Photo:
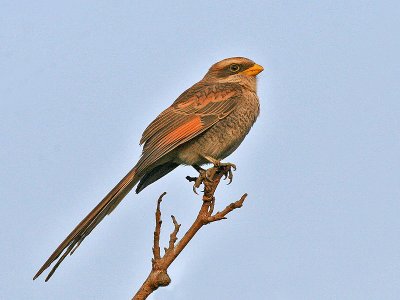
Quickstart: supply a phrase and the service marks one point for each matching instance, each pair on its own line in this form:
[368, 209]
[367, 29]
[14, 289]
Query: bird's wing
[191, 114]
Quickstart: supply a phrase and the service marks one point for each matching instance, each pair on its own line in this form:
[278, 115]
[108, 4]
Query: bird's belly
[212, 143]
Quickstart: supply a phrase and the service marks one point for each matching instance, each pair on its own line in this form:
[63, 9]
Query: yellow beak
[253, 71]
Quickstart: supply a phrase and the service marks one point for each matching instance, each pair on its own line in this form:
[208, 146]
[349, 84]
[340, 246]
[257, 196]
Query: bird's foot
[226, 170]
[209, 175]
[198, 180]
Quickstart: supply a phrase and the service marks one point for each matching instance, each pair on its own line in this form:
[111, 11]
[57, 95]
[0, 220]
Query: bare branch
[156, 247]
[158, 275]
[173, 237]
[221, 215]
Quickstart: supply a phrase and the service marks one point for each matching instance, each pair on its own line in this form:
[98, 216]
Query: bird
[204, 125]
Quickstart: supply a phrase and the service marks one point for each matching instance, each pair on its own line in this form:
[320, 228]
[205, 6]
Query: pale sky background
[79, 82]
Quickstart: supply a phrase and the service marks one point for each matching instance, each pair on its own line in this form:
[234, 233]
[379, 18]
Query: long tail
[75, 238]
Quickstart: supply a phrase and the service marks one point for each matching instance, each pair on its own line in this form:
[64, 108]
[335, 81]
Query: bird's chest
[224, 137]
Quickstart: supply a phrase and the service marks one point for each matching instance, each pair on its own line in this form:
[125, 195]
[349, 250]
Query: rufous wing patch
[185, 130]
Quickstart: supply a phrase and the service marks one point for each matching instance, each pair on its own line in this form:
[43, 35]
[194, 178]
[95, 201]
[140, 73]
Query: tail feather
[83, 229]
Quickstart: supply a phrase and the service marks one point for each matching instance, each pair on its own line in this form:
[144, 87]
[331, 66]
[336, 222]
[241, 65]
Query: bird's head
[235, 69]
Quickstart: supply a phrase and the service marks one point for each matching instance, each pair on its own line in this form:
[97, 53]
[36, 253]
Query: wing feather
[190, 115]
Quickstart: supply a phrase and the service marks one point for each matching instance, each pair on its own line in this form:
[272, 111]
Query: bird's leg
[226, 168]
[198, 168]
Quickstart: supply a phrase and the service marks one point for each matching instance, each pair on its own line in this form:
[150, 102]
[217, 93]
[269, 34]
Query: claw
[199, 180]
[227, 170]
[194, 190]
[230, 176]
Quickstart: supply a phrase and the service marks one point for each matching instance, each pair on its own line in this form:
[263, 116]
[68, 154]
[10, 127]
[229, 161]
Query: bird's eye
[234, 68]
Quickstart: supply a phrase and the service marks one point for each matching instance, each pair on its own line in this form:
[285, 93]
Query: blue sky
[79, 82]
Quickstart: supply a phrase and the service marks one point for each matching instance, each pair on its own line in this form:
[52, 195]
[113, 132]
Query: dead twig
[158, 275]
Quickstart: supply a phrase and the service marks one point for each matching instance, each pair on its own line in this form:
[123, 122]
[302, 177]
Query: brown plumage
[205, 124]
